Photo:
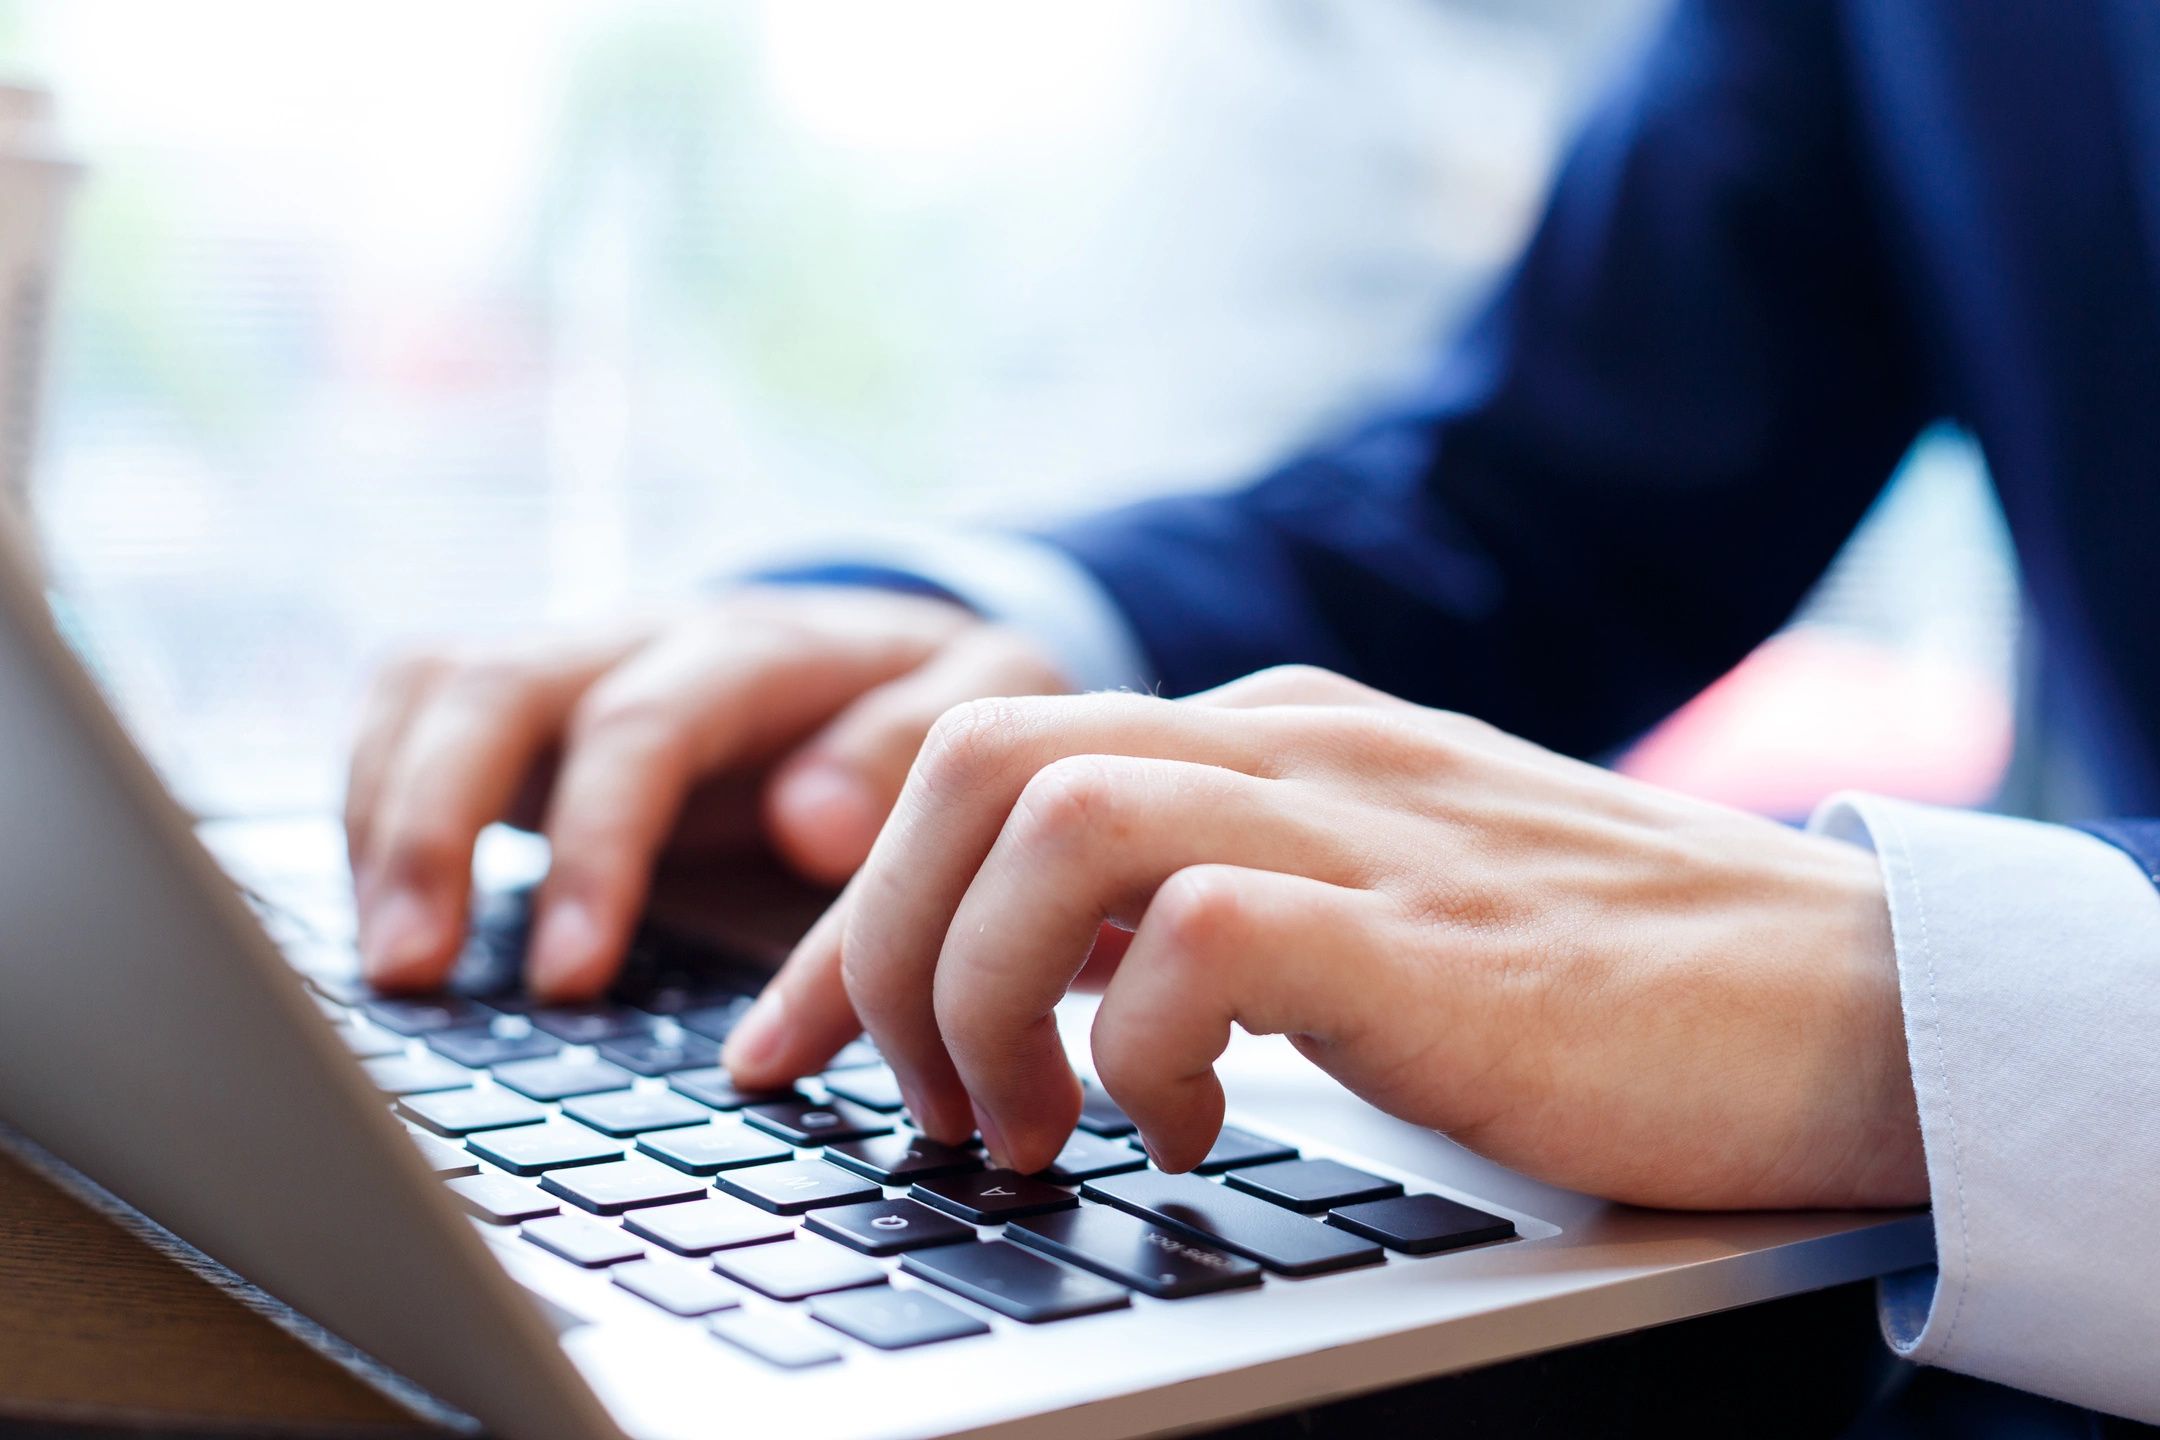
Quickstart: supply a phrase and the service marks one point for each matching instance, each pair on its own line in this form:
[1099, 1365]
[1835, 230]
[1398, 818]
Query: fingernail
[565, 949]
[754, 1043]
[993, 1137]
[404, 932]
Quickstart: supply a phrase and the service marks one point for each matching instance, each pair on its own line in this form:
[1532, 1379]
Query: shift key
[1285, 1242]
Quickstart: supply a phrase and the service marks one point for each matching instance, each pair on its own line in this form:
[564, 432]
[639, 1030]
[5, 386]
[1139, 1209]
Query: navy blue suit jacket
[1797, 234]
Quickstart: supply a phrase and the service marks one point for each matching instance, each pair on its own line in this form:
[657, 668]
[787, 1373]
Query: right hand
[782, 715]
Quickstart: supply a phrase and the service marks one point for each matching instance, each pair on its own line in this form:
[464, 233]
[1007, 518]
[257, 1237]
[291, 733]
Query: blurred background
[406, 321]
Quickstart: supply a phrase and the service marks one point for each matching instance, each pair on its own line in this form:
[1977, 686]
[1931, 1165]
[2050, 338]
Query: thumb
[827, 801]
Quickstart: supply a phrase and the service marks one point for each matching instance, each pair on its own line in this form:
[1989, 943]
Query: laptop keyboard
[608, 1137]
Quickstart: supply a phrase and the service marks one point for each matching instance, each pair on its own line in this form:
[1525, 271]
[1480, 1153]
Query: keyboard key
[426, 1014]
[588, 1024]
[675, 1287]
[533, 1149]
[703, 1226]
[797, 1269]
[1421, 1224]
[805, 1122]
[443, 1158]
[582, 1240]
[714, 1146]
[1132, 1252]
[1234, 1148]
[415, 1074]
[652, 1055]
[619, 1185]
[480, 1049]
[873, 1087]
[458, 1113]
[895, 1319]
[782, 1341]
[1099, 1115]
[1286, 1243]
[887, 1227]
[370, 1043]
[993, 1196]
[900, 1158]
[561, 1078]
[499, 1200]
[1016, 1282]
[633, 1112]
[713, 1087]
[1310, 1186]
[715, 1022]
[1090, 1157]
[341, 985]
[794, 1188]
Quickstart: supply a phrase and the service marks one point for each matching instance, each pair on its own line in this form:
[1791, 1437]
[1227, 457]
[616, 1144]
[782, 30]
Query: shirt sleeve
[2029, 964]
[1014, 580]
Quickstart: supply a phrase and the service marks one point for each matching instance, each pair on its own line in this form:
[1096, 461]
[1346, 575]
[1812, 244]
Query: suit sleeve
[2029, 966]
[1631, 467]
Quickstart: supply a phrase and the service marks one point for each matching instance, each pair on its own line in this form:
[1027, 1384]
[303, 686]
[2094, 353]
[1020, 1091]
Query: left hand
[1611, 987]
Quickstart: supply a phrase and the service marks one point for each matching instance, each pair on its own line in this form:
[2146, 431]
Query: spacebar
[1283, 1240]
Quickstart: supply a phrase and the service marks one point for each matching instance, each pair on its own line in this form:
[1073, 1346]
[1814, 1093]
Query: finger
[681, 711]
[1296, 685]
[390, 701]
[464, 752]
[1090, 840]
[971, 770]
[802, 1017]
[828, 800]
[1223, 946]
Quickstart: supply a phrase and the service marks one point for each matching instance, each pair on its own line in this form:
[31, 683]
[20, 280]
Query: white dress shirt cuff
[2029, 963]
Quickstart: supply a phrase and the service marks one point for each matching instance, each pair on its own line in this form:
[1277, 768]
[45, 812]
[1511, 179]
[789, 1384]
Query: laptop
[566, 1224]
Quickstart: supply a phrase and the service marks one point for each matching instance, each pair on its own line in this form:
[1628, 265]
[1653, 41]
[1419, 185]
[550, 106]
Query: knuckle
[1197, 911]
[620, 716]
[425, 849]
[1071, 796]
[972, 739]
[1304, 684]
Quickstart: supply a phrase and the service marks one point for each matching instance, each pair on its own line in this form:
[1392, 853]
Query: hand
[1611, 987]
[781, 714]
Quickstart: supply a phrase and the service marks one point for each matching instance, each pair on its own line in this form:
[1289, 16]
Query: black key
[371, 1043]
[443, 1158]
[532, 1149]
[855, 1054]
[993, 1196]
[887, 1227]
[1016, 1282]
[712, 1147]
[1090, 1157]
[1234, 1148]
[895, 1319]
[458, 1113]
[900, 1158]
[713, 1087]
[785, 1342]
[1132, 1252]
[1286, 1243]
[582, 1240]
[561, 1078]
[797, 1269]
[652, 1055]
[619, 1185]
[703, 1226]
[1310, 1186]
[480, 1049]
[874, 1087]
[796, 1187]
[426, 1014]
[499, 1200]
[633, 1112]
[675, 1287]
[805, 1122]
[1099, 1115]
[588, 1024]
[415, 1074]
[715, 1022]
[1421, 1224]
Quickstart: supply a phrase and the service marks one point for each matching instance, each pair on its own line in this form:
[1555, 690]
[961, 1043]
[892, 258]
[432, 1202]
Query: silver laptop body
[155, 1040]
